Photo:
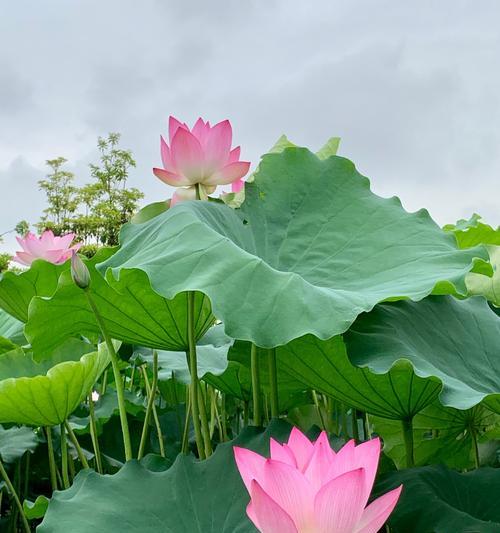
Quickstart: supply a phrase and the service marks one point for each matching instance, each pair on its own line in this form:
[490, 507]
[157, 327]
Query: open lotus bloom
[306, 487]
[200, 156]
[53, 249]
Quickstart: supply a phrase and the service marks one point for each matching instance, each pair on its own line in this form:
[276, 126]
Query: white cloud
[411, 88]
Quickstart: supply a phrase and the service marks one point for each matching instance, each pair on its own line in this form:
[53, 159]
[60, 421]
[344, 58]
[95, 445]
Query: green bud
[79, 272]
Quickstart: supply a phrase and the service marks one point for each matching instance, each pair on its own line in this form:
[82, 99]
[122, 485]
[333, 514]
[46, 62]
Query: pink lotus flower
[201, 156]
[306, 487]
[53, 249]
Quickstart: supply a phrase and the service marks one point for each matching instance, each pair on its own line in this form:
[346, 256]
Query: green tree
[108, 199]
[62, 197]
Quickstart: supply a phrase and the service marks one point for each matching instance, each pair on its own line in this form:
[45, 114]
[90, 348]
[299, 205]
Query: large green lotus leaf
[17, 289]
[454, 340]
[310, 249]
[190, 497]
[131, 310]
[45, 394]
[16, 441]
[438, 500]
[211, 350]
[442, 435]
[325, 367]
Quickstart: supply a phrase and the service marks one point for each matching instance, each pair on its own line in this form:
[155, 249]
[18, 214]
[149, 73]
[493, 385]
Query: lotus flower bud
[79, 272]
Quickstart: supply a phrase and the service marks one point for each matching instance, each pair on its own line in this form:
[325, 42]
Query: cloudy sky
[413, 89]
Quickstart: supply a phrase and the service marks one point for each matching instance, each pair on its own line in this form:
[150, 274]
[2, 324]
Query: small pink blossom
[53, 249]
[306, 487]
[200, 156]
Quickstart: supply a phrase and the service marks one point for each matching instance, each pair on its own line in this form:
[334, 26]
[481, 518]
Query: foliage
[303, 299]
[95, 211]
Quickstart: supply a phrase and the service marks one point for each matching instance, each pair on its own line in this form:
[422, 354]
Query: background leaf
[131, 310]
[190, 497]
[46, 394]
[439, 500]
[17, 289]
[455, 341]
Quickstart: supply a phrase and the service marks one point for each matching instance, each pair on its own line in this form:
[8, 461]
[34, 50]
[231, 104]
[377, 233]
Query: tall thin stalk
[76, 444]
[273, 383]
[15, 497]
[408, 440]
[205, 428]
[151, 408]
[193, 370]
[475, 447]
[93, 436]
[64, 458]
[256, 393]
[52, 459]
[116, 371]
[185, 433]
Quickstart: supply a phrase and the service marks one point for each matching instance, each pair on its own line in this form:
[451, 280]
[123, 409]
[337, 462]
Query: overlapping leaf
[15, 442]
[442, 435]
[211, 349]
[309, 250]
[131, 311]
[455, 341]
[17, 289]
[45, 394]
[324, 366]
[190, 497]
[436, 499]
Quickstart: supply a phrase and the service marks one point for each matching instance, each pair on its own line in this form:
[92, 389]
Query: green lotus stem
[64, 458]
[273, 382]
[185, 443]
[197, 189]
[318, 409]
[158, 431]
[52, 459]
[245, 414]
[355, 429]
[193, 370]
[151, 392]
[72, 470]
[343, 414]
[210, 401]
[408, 440]
[223, 415]
[217, 414]
[256, 393]
[118, 381]
[104, 382]
[266, 410]
[15, 497]
[475, 448]
[26, 475]
[76, 444]
[93, 436]
[132, 375]
[205, 429]
[366, 425]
